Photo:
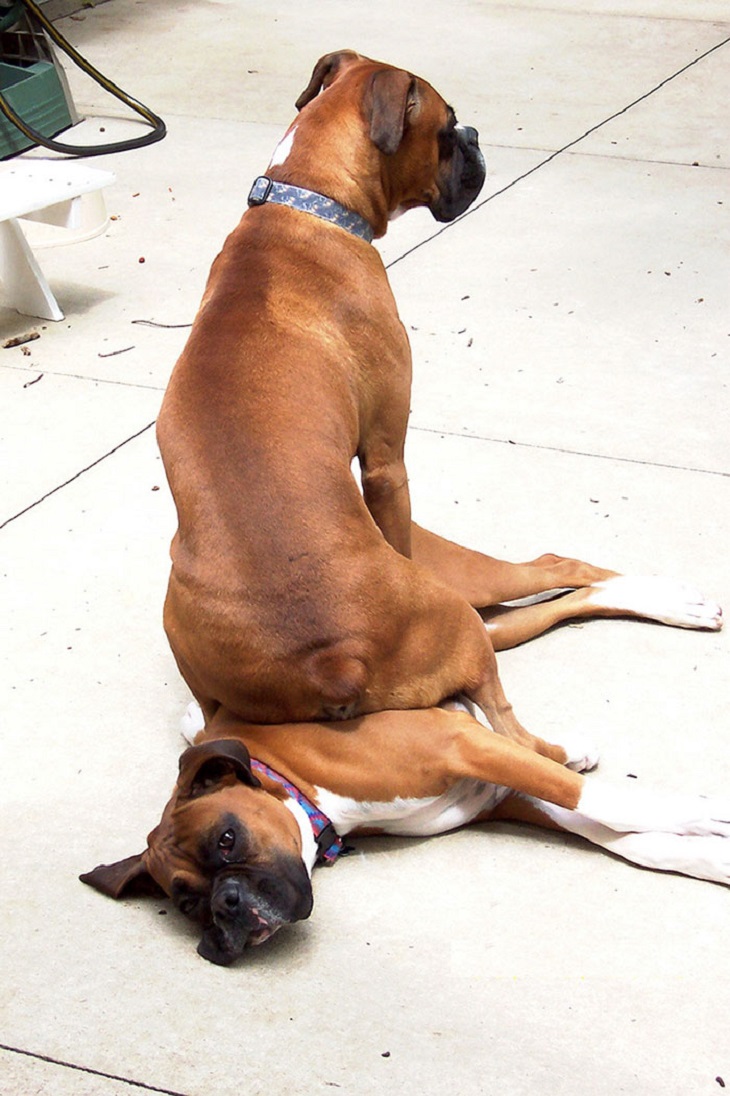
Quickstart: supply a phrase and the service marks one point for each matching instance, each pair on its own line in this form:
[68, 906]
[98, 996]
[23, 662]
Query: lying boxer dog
[256, 807]
[318, 628]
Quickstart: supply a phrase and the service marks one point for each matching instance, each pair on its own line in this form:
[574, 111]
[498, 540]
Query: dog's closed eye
[189, 904]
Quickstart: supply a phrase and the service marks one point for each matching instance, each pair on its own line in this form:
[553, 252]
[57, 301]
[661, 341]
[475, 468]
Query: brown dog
[297, 598]
[294, 596]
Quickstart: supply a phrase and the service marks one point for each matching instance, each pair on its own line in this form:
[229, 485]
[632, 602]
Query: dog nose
[471, 135]
[227, 897]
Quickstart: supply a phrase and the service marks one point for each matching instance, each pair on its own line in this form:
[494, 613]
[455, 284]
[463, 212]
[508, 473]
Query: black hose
[158, 126]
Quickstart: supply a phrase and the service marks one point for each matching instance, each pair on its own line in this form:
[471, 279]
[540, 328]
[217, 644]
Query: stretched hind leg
[485, 581]
[431, 644]
[646, 598]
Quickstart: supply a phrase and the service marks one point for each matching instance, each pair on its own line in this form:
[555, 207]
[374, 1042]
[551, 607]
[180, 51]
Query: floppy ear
[203, 767]
[392, 92]
[126, 877]
[327, 69]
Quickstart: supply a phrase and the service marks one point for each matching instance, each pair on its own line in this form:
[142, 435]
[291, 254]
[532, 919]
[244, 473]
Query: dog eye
[226, 841]
[188, 905]
[447, 143]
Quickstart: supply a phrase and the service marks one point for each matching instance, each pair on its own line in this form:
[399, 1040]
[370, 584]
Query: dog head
[402, 139]
[226, 852]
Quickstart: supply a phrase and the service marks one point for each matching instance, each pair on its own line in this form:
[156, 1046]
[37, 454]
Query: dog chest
[456, 807]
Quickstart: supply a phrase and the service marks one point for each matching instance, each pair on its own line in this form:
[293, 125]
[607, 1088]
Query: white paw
[660, 599]
[629, 807]
[582, 755]
[705, 817]
[705, 857]
[192, 722]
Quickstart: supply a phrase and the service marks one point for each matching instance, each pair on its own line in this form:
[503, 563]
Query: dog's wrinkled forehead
[197, 838]
[202, 824]
[390, 96]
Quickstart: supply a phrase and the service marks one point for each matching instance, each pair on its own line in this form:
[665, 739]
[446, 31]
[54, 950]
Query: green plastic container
[35, 94]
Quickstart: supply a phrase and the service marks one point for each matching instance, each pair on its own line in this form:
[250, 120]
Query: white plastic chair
[44, 203]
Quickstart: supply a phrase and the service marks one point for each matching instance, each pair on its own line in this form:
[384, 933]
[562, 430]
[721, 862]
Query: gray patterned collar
[296, 197]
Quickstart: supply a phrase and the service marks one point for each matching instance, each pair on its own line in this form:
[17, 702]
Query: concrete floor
[571, 394]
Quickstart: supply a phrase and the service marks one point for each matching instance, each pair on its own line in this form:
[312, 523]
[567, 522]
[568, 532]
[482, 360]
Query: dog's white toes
[582, 756]
[699, 816]
[660, 599]
[705, 857]
[192, 722]
[717, 820]
[711, 859]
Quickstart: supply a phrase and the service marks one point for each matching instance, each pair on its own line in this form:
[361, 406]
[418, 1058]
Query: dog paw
[660, 599]
[706, 817]
[192, 722]
[582, 756]
[629, 807]
[704, 857]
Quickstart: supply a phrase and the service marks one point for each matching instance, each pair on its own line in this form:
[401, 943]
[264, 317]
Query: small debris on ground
[113, 353]
[18, 340]
[154, 323]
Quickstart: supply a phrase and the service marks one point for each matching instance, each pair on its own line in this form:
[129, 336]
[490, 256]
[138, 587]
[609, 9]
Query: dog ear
[126, 877]
[393, 95]
[203, 767]
[327, 69]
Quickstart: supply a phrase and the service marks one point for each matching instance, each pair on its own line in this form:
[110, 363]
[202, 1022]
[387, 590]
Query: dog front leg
[664, 832]
[387, 497]
[521, 767]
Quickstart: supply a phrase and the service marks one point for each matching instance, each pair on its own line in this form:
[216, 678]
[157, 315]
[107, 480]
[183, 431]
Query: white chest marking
[413, 817]
[283, 148]
[309, 845]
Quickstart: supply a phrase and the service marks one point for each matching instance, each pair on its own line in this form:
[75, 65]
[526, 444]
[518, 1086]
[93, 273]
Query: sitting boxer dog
[319, 629]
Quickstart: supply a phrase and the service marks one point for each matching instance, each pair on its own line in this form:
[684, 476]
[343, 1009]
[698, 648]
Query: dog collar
[308, 201]
[329, 845]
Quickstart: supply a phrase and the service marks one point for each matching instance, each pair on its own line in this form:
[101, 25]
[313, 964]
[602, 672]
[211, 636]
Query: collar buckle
[260, 190]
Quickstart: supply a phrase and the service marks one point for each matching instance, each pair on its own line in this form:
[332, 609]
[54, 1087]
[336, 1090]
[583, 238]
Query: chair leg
[24, 286]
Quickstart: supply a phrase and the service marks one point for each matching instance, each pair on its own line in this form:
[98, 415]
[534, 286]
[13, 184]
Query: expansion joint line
[86, 1069]
[78, 474]
[445, 433]
[559, 152]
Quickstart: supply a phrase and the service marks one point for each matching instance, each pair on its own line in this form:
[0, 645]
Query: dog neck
[328, 844]
[309, 201]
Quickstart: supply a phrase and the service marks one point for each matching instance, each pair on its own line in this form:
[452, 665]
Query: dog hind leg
[645, 597]
[484, 581]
